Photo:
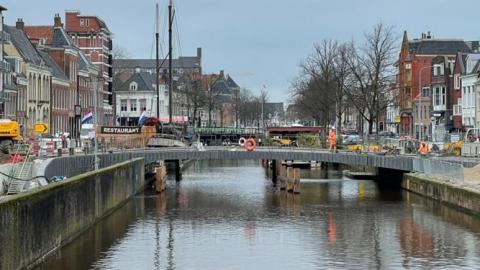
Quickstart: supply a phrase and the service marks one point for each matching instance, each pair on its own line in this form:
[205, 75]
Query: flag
[142, 118]
[88, 118]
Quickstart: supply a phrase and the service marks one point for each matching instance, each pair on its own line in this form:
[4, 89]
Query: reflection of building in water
[250, 231]
[414, 240]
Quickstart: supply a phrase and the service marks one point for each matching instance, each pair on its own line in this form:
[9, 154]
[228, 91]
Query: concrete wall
[35, 223]
[446, 193]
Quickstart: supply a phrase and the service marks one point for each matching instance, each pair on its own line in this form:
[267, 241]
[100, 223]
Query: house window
[84, 22]
[133, 86]
[437, 70]
[123, 105]
[436, 97]
[439, 96]
[425, 92]
[133, 105]
[444, 96]
[143, 104]
[456, 81]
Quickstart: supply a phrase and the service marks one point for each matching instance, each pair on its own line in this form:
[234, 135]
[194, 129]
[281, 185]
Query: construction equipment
[283, 142]
[9, 134]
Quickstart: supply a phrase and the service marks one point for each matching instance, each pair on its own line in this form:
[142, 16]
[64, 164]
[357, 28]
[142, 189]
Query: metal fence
[439, 169]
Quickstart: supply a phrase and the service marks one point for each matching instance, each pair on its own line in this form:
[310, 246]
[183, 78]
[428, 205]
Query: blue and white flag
[142, 118]
[88, 118]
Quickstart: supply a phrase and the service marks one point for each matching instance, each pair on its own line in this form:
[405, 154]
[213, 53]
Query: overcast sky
[258, 42]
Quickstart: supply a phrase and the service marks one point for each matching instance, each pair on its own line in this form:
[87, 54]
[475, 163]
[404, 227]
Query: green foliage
[308, 140]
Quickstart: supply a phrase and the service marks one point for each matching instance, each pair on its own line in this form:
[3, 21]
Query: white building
[469, 89]
[138, 94]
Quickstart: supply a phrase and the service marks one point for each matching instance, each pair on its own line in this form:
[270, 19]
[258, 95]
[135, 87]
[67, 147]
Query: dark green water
[227, 215]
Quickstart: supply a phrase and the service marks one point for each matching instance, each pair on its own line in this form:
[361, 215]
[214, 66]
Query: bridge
[74, 165]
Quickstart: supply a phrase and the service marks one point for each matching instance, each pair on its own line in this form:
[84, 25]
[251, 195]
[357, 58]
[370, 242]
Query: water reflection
[227, 215]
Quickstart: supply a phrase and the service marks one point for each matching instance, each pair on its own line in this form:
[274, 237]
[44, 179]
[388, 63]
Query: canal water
[227, 215]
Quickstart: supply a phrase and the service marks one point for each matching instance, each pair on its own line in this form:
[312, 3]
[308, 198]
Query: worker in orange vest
[423, 150]
[332, 139]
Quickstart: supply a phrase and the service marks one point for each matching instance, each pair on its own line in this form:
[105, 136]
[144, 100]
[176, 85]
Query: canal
[227, 215]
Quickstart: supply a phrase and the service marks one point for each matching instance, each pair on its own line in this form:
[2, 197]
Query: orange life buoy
[250, 145]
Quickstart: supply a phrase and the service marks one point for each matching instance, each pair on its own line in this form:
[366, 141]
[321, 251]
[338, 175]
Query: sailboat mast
[170, 77]
[157, 81]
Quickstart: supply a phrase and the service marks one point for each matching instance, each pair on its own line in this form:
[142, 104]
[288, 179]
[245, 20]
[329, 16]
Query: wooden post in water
[289, 179]
[160, 179]
[283, 177]
[296, 181]
[274, 171]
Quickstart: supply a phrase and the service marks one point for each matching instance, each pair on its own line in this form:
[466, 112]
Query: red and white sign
[175, 119]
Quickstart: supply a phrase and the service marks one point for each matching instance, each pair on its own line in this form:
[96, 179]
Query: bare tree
[263, 98]
[120, 52]
[194, 95]
[371, 66]
[211, 101]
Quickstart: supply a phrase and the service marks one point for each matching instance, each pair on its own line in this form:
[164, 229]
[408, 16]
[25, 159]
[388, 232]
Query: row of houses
[50, 72]
[436, 87]
[435, 92]
[206, 100]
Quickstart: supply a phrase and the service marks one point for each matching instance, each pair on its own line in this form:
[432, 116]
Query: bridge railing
[439, 169]
[72, 165]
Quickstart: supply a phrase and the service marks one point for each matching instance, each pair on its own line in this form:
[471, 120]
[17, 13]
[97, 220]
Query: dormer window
[133, 86]
[438, 70]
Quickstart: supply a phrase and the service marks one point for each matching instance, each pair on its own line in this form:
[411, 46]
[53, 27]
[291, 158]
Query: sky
[260, 43]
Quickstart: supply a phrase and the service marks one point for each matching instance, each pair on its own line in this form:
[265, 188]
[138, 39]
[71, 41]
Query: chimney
[199, 53]
[222, 74]
[57, 21]
[19, 25]
[424, 36]
[428, 35]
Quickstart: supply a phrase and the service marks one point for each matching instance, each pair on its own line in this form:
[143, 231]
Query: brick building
[69, 65]
[415, 78]
[92, 36]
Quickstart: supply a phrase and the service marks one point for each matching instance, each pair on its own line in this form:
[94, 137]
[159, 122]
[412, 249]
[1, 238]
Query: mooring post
[283, 177]
[178, 173]
[160, 178]
[296, 181]
[290, 179]
[274, 171]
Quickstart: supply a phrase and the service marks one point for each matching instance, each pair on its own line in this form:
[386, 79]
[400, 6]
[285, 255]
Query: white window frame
[133, 86]
[456, 81]
[133, 105]
[123, 102]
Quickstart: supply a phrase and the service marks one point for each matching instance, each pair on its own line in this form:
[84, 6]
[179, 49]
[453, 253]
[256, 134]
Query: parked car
[351, 139]
[387, 134]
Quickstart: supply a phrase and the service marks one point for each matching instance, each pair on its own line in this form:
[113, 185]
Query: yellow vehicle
[283, 142]
[9, 134]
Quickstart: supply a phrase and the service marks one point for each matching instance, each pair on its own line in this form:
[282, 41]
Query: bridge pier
[274, 171]
[389, 178]
[178, 171]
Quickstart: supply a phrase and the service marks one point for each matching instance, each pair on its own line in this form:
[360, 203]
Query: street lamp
[95, 120]
[420, 90]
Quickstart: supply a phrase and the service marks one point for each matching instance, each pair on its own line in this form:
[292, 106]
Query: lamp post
[420, 90]
[2, 89]
[95, 120]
